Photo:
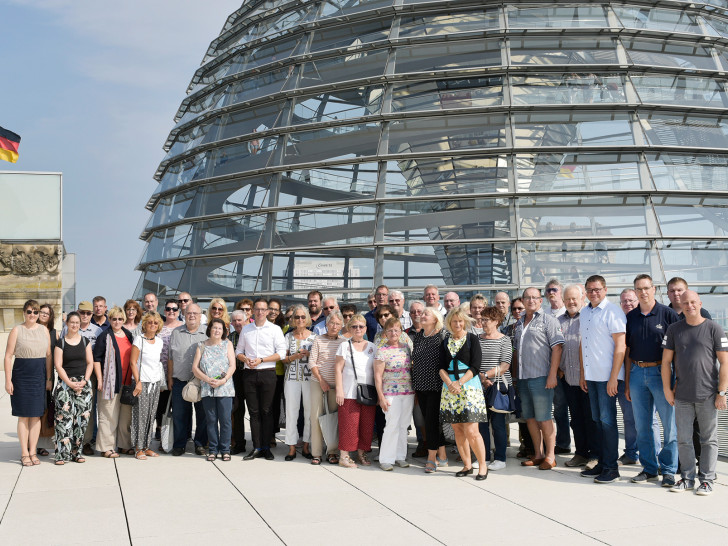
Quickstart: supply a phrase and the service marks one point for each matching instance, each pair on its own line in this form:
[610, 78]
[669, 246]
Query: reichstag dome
[475, 145]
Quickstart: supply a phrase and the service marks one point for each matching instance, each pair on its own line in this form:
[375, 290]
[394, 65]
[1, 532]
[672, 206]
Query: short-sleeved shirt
[534, 343]
[597, 325]
[696, 367]
[570, 364]
[397, 378]
[645, 332]
[364, 362]
[213, 363]
[426, 362]
[323, 357]
[182, 347]
[494, 352]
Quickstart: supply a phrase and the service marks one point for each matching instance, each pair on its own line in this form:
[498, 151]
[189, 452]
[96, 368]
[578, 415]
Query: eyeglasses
[245, 309]
[118, 318]
[552, 289]
[46, 313]
[518, 309]
[85, 313]
[272, 310]
[416, 312]
[330, 307]
[593, 290]
[647, 289]
[184, 300]
[171, 309]
[32, 312]
[217, 309]
[395, 300]
[347, 316]
[260, 310]
[357, 326]
[394, 331]
[193, 313]
[299, 317]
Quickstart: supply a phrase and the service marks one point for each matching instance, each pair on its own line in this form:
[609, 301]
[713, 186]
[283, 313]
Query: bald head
[451, 300]
[691, 306]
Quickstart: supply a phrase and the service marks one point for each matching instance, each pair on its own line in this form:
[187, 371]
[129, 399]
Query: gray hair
[418, 302]
[555, 282]
[581, 289]
[236, 313]
[396, 293]
[330, 298]
[626, 290]
[335, 314]
[426, 288]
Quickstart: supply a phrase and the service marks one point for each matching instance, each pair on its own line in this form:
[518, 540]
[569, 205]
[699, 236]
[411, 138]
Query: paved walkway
[186, 500]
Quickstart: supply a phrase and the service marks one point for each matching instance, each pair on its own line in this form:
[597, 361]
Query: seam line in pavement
[123, 504]
[10, 497]
[249, 503]
[385, 506]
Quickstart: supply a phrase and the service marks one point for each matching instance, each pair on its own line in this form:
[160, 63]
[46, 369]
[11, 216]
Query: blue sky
[91, 86]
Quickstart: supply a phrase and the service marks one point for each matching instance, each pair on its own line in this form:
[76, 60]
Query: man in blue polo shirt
[646, 327]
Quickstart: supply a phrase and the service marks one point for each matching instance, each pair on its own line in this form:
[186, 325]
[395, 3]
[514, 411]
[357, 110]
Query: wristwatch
[721, 393]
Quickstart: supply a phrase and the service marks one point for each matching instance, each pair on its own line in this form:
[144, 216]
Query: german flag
[9, 143]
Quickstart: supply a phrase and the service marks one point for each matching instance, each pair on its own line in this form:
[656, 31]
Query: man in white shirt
[396, 301]
[602, 326]
[431, 295]
[260, 346]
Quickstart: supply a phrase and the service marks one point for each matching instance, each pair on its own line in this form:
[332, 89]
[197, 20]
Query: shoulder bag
[127, 391]
[500, 396]
[366, 395]
[192, 392]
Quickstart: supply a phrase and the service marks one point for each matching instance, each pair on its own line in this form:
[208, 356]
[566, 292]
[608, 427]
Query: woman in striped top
[497, 352]
[322, 362]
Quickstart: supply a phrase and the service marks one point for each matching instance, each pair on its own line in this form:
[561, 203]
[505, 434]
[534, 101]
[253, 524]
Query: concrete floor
[186, 500]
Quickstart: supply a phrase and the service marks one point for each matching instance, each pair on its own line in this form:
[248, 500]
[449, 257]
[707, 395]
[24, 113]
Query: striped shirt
[323, 357]
[494, 352]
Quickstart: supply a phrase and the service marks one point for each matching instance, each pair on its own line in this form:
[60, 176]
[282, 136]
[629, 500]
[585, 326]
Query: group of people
[563, 365]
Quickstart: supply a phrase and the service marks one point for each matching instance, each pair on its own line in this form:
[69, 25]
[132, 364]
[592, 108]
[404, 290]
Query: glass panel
[276, 51]
[252, 120]
[566, 50]
[689, 172]
[232, 234]
[447, 220]
[325, 226]
[182, 172]
[448, 56]
[168, 243]
[363, 64]
[245, 156]
[338, 105]
[572, 129]
[557, 17]
[172, 208]
[681, 90]
[411, 265]
[427, 176]
[350, 36]
[196, 136]
[573, 217]
[333, 8]
[695, 261]
[324, 184]
[689, 131]
[447, 94]
[674, 54]
[161, 279]
[236, 196]
[324, 270]
[574, 261]
[580, 172]
[341, 142]
[716, 25]
[260, 85]
[573, 88]
[446, 134]
[476, 264]
[412, 26]
[657, 19]
[692, 216]
[210, 101]
[241, 275]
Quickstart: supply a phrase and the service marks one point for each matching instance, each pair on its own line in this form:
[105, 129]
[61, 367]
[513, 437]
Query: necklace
[148, 338]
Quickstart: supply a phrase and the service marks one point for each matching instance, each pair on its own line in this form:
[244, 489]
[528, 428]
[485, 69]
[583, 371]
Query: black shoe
[200, 450]
[608, 476]
[668, 480]
[593, 473]
[645, 477]
[481, 477]
[307, 455]
[88, 450]
[562, 450]
[464, 472]
[177, 451]
[237, 450]
[268, 454]
[253, 454]
[290, 457]
[158, 434]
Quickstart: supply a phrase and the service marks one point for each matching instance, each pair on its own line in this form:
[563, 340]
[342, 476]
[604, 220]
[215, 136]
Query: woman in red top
[111, 366]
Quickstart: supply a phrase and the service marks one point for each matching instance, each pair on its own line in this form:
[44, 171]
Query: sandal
[25, 460]
[111, 454]
[34, 459]
[333, 459]
[430, 467]
[226, 457]
[346, 462]
[363, 459]
[42, 452]
[150, 453]
[60, 463]
[211, 457]
[79, 459]
[316, 460]
[140, 455]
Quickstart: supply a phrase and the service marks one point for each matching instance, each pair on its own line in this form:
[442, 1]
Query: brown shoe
[547, 464]
[532, 462]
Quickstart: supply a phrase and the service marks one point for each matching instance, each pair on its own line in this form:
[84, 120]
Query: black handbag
[126, 396]
[366, 395]
[500, 396]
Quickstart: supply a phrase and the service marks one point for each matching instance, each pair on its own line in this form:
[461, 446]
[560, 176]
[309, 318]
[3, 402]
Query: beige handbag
[191, 392]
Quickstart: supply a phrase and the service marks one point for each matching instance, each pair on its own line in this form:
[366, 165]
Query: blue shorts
[536, 400]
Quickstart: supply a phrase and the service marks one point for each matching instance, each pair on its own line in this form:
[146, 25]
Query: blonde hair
[150, 316]
[435, 313]
[225, 315]
[457, 312]
[117, 311]
[356, 318]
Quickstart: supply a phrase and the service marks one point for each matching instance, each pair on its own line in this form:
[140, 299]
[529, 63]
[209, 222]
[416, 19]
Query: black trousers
[239, 411]
[260, 387]
[429, 402]
[586, 435]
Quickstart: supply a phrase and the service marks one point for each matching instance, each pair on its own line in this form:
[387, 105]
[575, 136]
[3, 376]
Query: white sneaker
[386, 467]
[496, 465]
[401, 464]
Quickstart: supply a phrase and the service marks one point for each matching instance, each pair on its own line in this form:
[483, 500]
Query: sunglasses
[181, 300]
[347, 315]
[216, 309]
[245, 309]
[118, 318]
[171, 309]
[518, 309]
[300, 317]
[85, 313]
[31, 312]
[385, 315]
[357, 326]
[330, 308]
[552, 289]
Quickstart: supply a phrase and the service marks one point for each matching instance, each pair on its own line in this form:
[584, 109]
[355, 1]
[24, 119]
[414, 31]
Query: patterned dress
[469, 405]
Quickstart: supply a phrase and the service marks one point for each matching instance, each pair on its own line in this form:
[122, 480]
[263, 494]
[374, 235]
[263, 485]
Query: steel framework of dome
[474, 145]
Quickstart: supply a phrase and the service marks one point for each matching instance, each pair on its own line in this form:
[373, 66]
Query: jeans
[707, 416]
[645, 387]
[561, 414]
[218, 410]
[182, 418]
[260, 387]
[630, 432]
[604, 413]
[586, 435]
[497, 423]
